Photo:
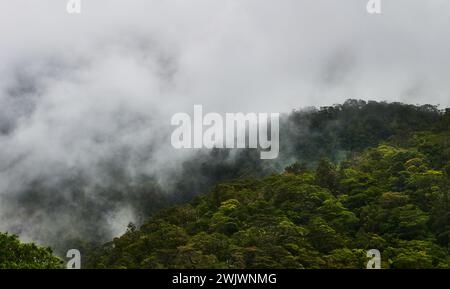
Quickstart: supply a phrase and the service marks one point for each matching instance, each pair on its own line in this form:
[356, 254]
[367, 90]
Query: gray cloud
[78, 91]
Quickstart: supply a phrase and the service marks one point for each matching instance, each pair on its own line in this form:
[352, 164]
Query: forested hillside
[391, 196]
[350, 177]
[306, 135]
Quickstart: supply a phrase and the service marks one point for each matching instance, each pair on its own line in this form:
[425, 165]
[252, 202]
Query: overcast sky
[237, 54]
[77, 90]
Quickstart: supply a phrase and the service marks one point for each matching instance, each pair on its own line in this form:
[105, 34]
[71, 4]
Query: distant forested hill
[387, 191]
[307, 135]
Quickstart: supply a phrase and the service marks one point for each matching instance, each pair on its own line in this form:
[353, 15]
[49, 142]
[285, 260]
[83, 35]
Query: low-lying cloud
[83, 95]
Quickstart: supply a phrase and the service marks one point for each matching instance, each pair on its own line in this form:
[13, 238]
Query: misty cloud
[81, 94]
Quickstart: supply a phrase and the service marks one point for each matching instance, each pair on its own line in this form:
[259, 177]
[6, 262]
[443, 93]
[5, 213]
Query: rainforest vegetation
[350, 177]
[17, 255]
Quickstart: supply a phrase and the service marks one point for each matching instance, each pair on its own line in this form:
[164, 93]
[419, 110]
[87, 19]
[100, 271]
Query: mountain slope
[392, 197]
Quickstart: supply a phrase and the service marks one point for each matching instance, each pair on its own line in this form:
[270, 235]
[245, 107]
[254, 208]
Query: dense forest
[350, 177]
[307, 135]
[391, 196]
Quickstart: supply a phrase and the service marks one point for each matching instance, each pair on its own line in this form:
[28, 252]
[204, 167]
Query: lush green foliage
[16, 255]
[307, 135]
[362, 175]
[392, 197]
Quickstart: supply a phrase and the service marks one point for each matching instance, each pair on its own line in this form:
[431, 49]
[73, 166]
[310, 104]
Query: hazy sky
[79, 90]
[234, 54]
